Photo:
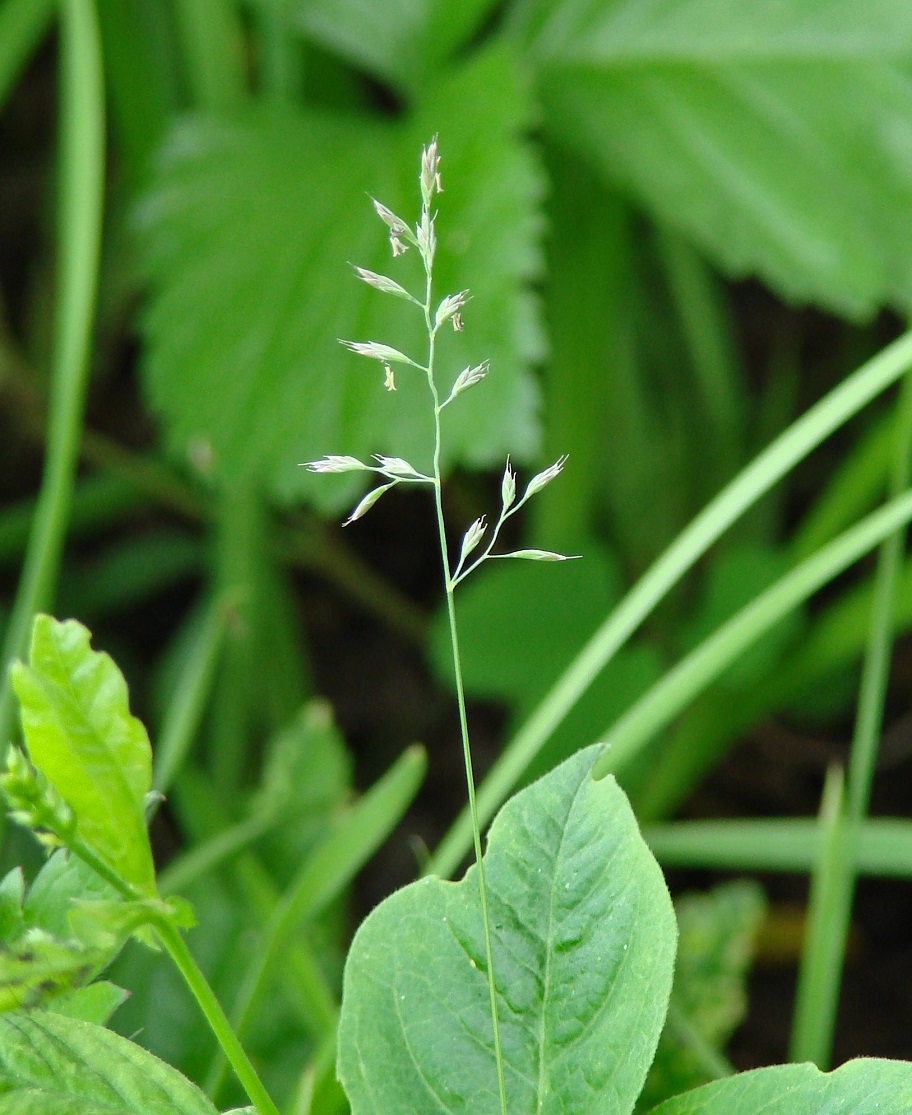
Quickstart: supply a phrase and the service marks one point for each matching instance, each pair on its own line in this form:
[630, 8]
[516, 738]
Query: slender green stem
[212, 40]
[279, 56]
[177, 949]
[79, 239]
[450, 585]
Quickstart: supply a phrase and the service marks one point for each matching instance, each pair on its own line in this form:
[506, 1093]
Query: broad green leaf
[244, 237]
[716, 933]
[51, 1065]
[81, 736]
[862, 1087]
[583, 938]
[767, 133]
[401, 41]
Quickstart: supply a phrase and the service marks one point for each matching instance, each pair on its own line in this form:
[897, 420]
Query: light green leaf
[402, 41]
[81, 736]
[244, 237]
[862, 1087]
[772, 135]
[95, 1003]
[583, 937]
[52, 1065]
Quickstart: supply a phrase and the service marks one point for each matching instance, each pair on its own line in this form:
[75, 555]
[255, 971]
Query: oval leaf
[583, 939]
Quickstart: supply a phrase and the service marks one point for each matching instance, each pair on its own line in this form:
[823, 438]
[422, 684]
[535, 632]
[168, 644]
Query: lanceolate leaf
[244, 237]
[767, 132]
[81, 736]
[583, 939]
[51, 1065]
[862, 1087]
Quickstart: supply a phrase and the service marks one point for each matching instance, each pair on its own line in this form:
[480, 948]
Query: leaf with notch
[583, 938]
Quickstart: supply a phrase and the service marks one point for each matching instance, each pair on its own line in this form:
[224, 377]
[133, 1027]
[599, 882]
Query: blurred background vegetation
[681, 225]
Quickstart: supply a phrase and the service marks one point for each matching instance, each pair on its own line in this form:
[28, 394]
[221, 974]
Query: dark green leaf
[583, 937]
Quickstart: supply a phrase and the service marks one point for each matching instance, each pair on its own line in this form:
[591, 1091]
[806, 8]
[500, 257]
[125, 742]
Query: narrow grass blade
[78, 247]
[815, 1004]
[833, 884]
[788, 845]
[743, 492]
[184, 870]
[703, 665]
[212, 40]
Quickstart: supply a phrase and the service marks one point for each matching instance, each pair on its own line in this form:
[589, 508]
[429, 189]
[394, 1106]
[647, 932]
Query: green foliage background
[628, 186]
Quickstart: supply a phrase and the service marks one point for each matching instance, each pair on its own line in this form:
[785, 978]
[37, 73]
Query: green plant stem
[811, 1035]
[202, 814]
[78, 240]
[833, 886]
[743, 492]
[177, 949]
[460, 697]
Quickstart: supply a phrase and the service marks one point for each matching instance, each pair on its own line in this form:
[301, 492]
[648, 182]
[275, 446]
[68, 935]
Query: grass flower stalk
[395, 470]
